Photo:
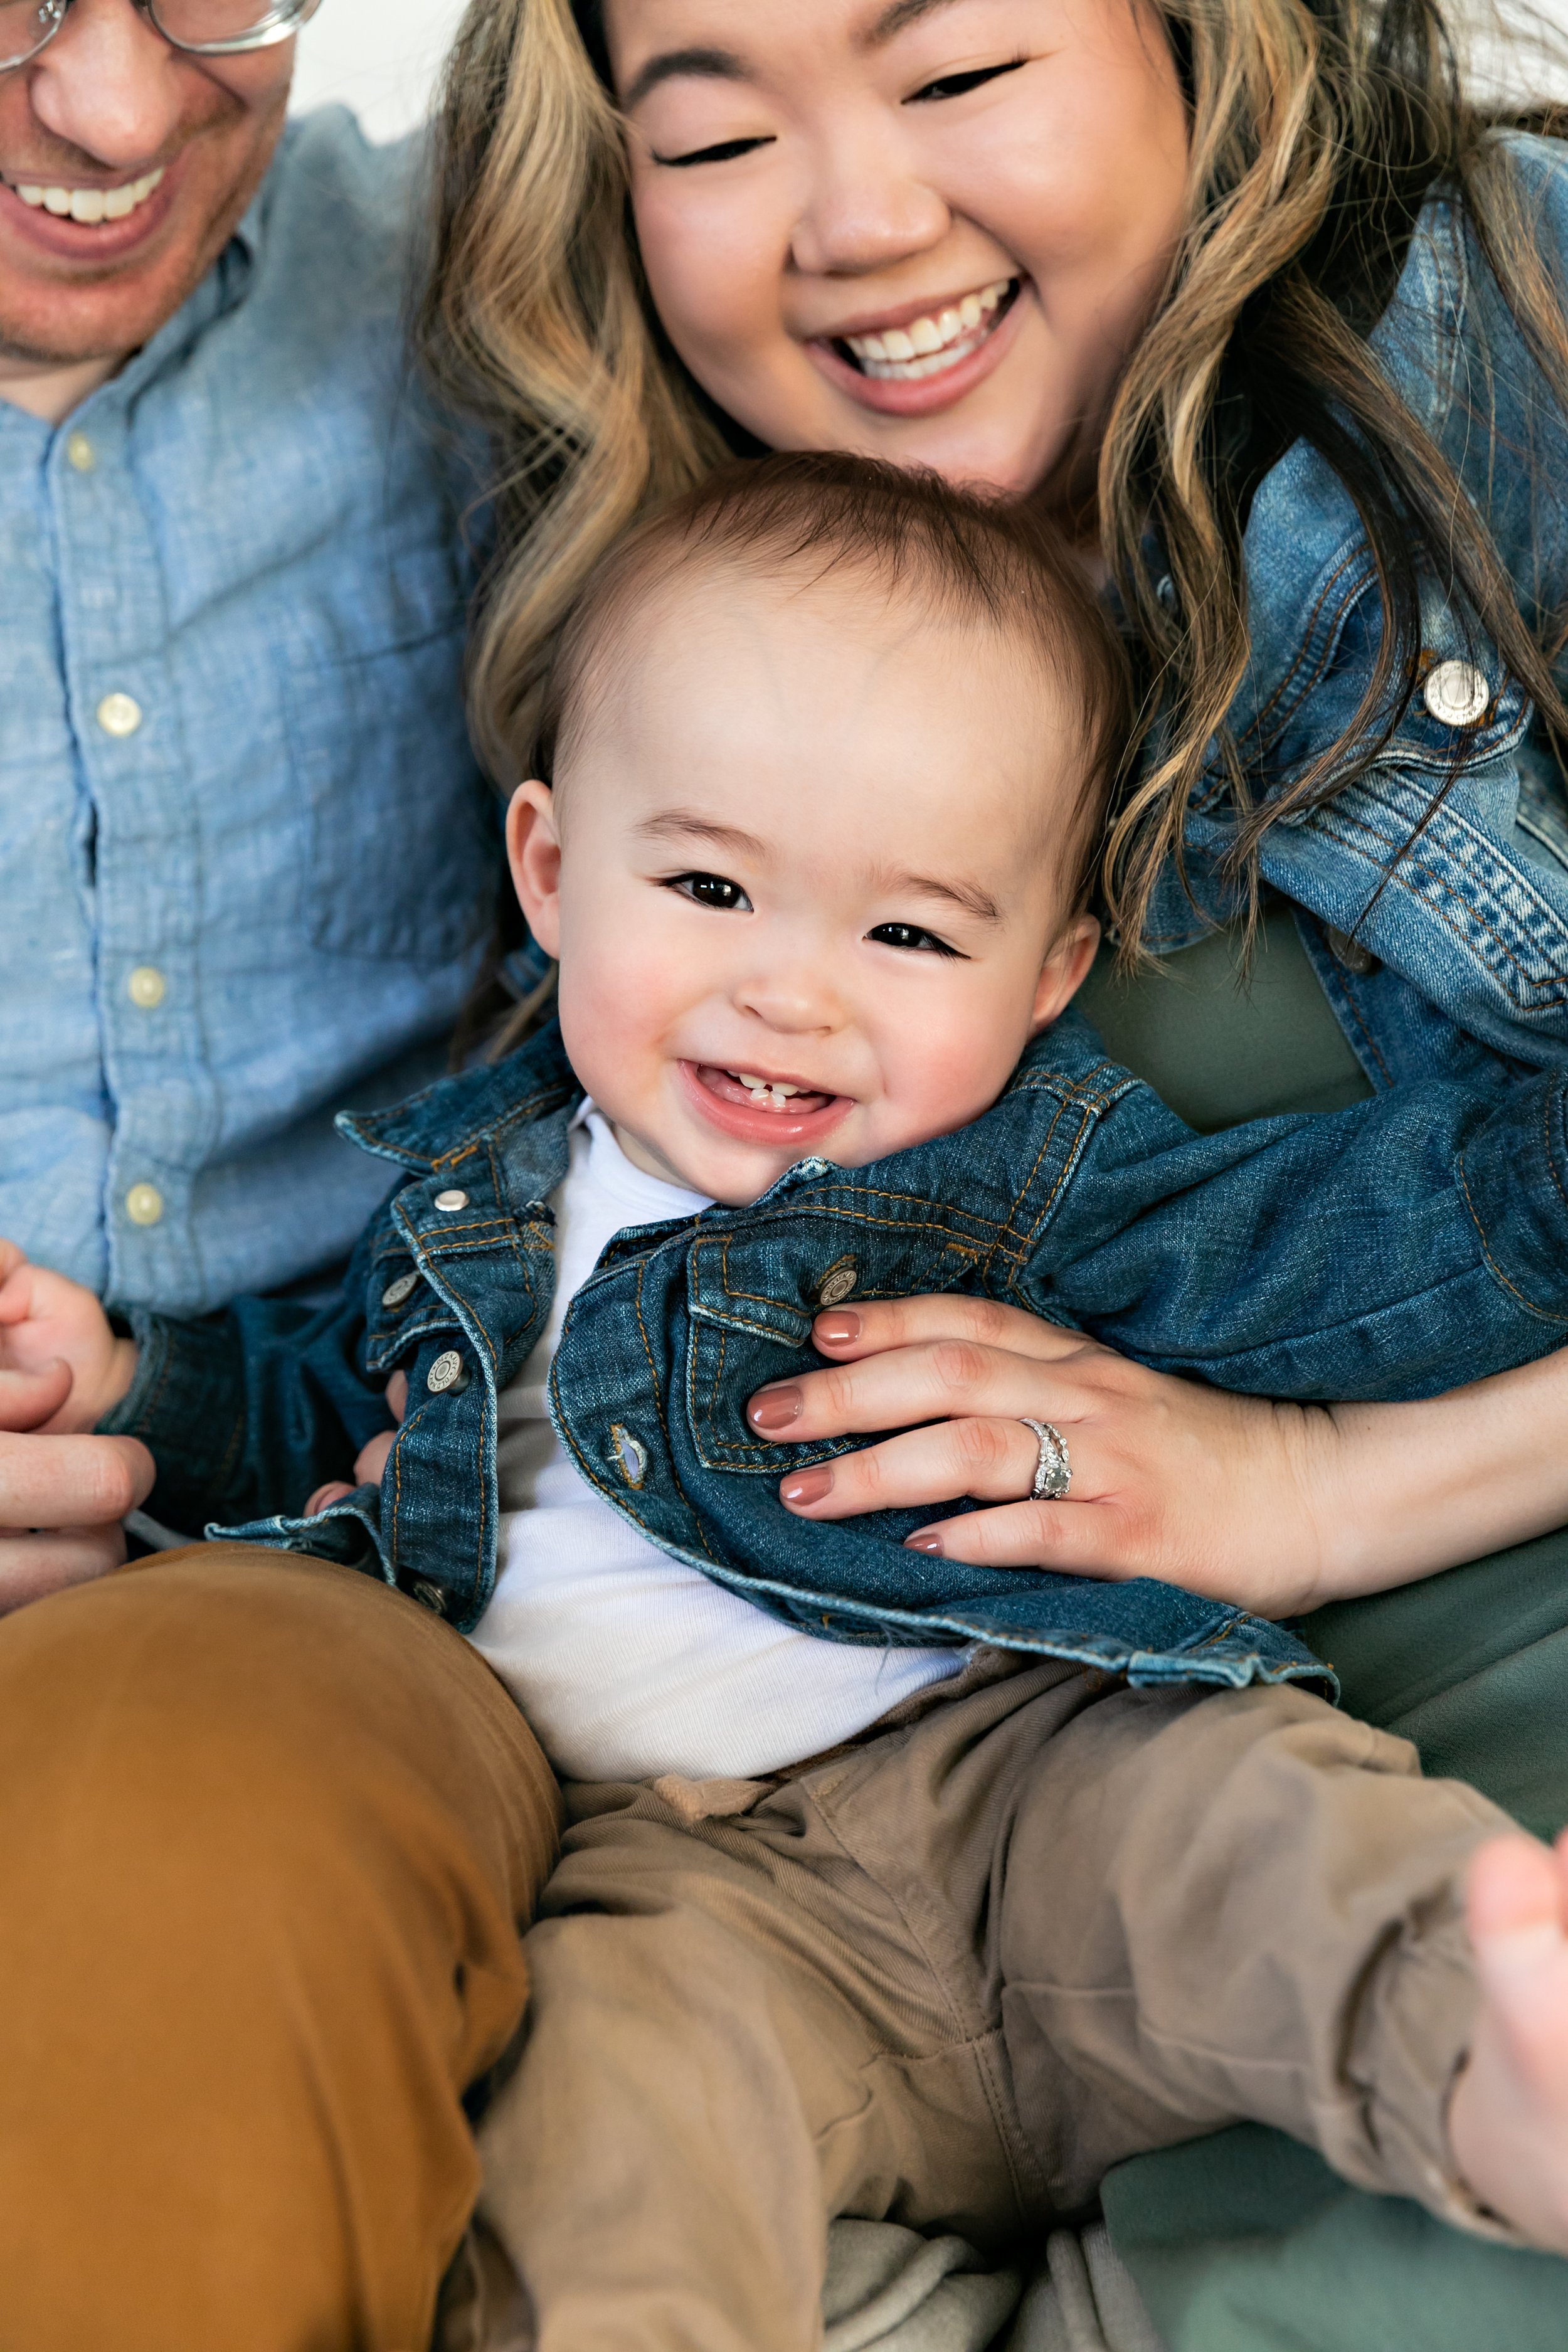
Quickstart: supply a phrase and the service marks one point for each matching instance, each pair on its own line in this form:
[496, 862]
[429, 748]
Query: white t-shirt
[627, 1663]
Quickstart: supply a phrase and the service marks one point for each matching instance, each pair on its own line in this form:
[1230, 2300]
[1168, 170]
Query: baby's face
[806, 873]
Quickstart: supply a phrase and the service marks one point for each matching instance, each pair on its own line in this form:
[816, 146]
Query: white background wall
[380, 57]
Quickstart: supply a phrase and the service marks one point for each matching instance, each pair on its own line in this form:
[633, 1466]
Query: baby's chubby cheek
[611, 1026]
[932, 1083]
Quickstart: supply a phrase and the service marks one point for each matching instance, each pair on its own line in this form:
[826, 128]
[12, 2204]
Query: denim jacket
[1448, 957]
[1414, 1261]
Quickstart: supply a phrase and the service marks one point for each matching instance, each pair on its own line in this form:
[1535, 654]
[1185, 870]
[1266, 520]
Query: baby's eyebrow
[967, 895]
[676, 823]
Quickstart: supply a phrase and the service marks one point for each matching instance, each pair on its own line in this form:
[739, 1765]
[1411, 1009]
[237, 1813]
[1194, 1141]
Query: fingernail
[775, 1409]
[923, 1543]
[837, 1328]
[807, 1486]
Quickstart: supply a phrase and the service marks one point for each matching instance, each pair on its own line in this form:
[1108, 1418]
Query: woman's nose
[109, 85]
[868, 207]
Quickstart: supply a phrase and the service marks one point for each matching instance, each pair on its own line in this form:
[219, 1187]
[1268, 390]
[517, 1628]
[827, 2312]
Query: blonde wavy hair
[1318, 128]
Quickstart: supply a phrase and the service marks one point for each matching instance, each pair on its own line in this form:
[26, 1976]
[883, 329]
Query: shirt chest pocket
[751, 1300]
[401, 833]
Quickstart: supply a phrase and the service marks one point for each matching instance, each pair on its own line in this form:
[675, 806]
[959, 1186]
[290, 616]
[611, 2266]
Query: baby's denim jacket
[1299, 1256]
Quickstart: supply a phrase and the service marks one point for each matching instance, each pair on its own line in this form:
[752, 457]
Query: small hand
[371, 1459]
[1219, 1493]
[62, 1498]
[49, 1325]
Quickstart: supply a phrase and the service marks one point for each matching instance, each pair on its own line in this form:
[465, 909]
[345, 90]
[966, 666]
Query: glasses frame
[280, 22]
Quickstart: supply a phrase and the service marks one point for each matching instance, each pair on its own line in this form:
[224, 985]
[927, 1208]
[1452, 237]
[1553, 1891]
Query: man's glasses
[207, 28]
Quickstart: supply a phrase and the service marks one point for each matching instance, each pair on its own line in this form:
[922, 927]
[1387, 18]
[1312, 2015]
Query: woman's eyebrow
[708, 64]
[897, 19]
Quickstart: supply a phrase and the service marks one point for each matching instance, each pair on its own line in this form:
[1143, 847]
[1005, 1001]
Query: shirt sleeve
[247, 1410]
[1397, 1248]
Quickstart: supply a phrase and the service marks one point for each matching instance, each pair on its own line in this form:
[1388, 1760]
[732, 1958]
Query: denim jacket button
[450, 1202]
[396, 1292]
[837, 1283]
[1351, 955]
[429, 1596]
[446, 1376]
[1456, 694]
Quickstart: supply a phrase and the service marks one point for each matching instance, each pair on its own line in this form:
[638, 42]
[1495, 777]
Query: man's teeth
[92, 204]
[928, 345]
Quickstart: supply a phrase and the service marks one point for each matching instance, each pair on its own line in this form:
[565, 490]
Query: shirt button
[396, 1292]
[147, 987]
[82, 453]
[1456, 694]
[144, 1204]
[447, 1374]
[450, 1202]
[120, 714]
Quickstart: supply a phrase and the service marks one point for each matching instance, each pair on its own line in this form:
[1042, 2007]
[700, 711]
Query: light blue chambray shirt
[247, 858]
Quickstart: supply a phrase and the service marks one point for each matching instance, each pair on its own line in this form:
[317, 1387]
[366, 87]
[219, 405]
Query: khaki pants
[952, 1974]
[267, 1834]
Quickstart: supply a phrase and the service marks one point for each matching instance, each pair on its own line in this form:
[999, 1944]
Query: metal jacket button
[446, 1376]
[396, 1292]
[837, 1283]
[1351, 955]
[1456, 693]
[450, 1202]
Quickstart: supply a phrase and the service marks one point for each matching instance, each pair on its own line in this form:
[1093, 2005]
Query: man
[245, 851]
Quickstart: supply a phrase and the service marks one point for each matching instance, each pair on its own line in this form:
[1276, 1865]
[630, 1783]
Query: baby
[826, 749]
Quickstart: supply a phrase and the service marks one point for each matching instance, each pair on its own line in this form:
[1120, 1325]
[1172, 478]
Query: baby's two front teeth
[771, 1091]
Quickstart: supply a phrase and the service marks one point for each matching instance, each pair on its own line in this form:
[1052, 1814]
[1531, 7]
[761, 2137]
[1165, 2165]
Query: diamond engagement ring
[1053, 1471]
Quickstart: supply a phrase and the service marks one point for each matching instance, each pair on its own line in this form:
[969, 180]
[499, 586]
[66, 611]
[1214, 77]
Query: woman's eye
[724, 153]
[955, 84]
[908, 935]
[712, 890]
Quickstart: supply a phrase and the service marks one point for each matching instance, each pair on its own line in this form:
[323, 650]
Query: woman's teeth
[928, 345]
[92, 205]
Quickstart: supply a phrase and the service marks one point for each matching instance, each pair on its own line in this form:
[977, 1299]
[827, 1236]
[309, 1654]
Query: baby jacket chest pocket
[750, 1302]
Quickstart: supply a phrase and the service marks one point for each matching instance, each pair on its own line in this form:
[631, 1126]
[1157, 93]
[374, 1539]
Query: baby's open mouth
[780, 1096]
[932, 343]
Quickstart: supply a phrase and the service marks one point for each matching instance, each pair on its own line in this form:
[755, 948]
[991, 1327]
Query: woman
[1228, 267]
[1246, 294]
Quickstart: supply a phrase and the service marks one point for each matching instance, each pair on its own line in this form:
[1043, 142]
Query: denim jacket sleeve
[1395, 1249]
[247, 1411]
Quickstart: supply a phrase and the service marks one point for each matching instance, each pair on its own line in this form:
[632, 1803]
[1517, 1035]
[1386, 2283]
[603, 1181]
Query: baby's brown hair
[969, 558]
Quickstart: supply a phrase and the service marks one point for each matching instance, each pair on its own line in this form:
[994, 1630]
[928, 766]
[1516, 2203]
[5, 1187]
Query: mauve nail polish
[837, 1328]
[807, 1485]
[923, 1543]
[775, 1409]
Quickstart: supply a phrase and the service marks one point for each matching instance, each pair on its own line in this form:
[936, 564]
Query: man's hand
[51, 1329]
[62, 1496]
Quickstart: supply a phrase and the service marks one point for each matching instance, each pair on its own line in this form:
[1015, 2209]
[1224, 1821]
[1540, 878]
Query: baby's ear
[1065, 970]
[533, 852]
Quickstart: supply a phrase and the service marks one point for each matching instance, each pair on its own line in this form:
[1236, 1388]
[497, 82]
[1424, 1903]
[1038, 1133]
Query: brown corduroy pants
[267, 1831]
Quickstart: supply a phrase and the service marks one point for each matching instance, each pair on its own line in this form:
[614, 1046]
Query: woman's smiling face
[927, 230]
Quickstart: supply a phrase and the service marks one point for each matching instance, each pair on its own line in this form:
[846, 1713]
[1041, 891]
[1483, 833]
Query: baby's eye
[908, 935]
[954, 85]
[712, 890]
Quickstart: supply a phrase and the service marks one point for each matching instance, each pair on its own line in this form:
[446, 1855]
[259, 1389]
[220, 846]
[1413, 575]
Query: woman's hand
[1274, 1507]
